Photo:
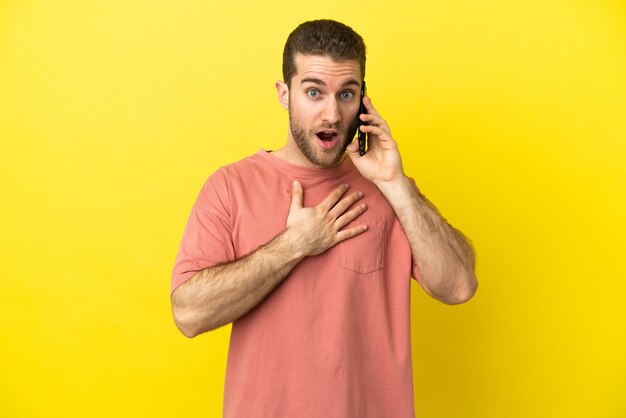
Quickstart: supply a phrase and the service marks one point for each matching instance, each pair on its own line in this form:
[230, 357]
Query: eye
[347, 95]
[313, 93]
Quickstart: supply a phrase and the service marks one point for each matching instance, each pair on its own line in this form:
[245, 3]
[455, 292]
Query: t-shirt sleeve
[207, 240]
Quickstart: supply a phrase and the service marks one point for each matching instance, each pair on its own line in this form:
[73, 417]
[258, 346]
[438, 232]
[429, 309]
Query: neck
[296, 157]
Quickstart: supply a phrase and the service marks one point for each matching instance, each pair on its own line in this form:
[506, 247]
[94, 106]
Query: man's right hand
[313, 230]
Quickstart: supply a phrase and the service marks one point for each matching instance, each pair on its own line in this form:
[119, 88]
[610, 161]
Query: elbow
[186, 327]
[188, 332]
[462, 291]
[191, 319]
[465, 291]
[188, 324]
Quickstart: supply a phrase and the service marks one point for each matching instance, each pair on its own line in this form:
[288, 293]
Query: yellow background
[510, 115]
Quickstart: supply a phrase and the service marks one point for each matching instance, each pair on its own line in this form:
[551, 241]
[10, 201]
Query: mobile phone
[361, 136]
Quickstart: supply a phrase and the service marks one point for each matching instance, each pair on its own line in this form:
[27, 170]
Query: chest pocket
[365, 253]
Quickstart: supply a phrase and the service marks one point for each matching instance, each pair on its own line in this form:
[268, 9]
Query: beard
[315, 154]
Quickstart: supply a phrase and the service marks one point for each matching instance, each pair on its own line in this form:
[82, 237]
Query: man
[316, 279]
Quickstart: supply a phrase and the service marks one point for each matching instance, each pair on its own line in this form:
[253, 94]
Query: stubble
[306, 143]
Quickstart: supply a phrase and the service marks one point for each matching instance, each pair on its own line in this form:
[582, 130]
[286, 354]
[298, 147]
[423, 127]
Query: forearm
[443, 255]
[218, 295]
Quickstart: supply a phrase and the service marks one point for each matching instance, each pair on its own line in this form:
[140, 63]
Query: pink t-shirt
[333, 339]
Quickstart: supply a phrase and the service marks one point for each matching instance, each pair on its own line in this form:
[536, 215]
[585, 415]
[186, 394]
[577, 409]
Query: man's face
[323, 102]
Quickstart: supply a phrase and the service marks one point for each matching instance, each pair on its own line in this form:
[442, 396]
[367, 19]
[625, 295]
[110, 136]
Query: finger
[344, 204]
[375, 130]
[332, 199]
[354, 151]
[353, 147]
[348, 217]
[349, 233]
[296, 195]
[369, 107]
[373, 120]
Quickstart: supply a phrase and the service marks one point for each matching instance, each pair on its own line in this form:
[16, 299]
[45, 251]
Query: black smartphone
[361, 136]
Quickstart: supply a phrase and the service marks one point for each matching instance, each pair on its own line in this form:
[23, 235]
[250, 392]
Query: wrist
[287, 243]
[398, 186]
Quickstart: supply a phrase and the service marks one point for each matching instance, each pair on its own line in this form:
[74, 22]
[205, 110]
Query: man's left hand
[381, 163]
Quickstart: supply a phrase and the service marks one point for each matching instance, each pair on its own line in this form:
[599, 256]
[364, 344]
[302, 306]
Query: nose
[331, 113]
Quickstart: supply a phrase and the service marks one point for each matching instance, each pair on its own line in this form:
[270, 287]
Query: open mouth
[327, 139]
[327, 136]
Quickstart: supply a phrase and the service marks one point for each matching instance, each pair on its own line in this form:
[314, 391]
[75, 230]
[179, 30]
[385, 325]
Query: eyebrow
[350, 82]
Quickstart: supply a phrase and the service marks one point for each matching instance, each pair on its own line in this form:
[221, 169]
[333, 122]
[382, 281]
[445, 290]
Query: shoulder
[244, 167]
[216, 186]
[231, 178]
[247, 166]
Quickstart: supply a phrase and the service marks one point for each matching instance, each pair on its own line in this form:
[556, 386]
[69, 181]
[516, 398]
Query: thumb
[353, 150]
[296, 195]
[353, 147]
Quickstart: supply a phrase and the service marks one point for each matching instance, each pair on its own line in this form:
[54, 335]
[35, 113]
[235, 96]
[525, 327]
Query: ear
[283, 94]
